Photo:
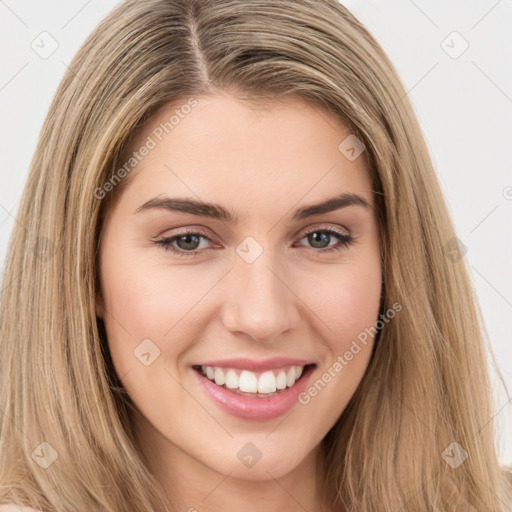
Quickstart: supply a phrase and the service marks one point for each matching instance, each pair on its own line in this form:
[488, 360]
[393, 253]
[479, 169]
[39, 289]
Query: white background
[464, 105]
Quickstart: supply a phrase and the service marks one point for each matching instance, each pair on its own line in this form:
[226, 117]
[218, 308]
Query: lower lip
[256, 409]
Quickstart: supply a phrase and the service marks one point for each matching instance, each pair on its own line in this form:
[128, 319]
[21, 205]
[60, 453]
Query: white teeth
[290, 376]
[267, 382]
[281, 380]
[231, 379]
[249, 382]
[219, 377]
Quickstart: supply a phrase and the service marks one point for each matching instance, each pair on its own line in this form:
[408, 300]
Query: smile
[251, 394]
[248, 382]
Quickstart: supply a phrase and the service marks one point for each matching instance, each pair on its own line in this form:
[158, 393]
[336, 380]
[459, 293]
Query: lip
[256, 366]
[255, 408]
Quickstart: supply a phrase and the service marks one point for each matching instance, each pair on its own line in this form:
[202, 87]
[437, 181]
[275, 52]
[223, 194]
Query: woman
[232, 249]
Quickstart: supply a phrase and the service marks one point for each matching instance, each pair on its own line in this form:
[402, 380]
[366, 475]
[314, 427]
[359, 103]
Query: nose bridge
[260, 303]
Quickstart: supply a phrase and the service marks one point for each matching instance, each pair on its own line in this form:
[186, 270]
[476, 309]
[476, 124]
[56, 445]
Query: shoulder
[16, 508]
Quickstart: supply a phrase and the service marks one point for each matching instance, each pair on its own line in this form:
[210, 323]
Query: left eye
[188, 243]
[319, 236]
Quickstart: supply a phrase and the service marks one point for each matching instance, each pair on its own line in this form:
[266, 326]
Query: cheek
[346, 298]
[146, 297]
[357, 304]
[351, 312]
[346, 301]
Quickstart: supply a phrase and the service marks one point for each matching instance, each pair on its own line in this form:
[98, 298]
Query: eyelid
[199, 231]
[326, 227]
[345, 239]
[189, 230]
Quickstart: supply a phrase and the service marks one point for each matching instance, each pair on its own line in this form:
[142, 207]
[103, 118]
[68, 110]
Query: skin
[261, 164]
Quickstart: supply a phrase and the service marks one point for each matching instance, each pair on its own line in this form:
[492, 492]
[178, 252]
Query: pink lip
[255, 408]
[256, 366]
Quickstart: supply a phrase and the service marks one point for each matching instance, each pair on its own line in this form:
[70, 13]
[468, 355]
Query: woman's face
[253, 287]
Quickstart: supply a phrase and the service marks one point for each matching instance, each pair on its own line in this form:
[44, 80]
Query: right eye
[187, 243]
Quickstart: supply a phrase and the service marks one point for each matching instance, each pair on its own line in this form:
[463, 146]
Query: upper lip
[255, 365]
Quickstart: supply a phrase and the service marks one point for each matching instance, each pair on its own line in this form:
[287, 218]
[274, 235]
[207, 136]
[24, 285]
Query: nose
[260, 302]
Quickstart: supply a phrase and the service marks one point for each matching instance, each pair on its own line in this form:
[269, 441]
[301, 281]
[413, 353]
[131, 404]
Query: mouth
[254, 384]
[259, 394]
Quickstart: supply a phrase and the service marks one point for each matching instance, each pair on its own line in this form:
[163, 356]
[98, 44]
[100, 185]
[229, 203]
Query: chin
[258, 458]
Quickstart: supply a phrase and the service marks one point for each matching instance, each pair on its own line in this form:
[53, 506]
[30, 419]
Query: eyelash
[344, 241]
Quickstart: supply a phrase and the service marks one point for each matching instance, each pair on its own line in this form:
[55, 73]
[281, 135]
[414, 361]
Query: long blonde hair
[66, 441]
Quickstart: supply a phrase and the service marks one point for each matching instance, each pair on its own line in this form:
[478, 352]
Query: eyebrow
[216, 211]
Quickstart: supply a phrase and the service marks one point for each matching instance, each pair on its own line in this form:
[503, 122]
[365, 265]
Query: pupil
[314, 238]
[187, 239]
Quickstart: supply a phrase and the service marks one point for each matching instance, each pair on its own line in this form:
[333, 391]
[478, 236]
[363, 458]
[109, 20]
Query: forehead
[245, 152]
